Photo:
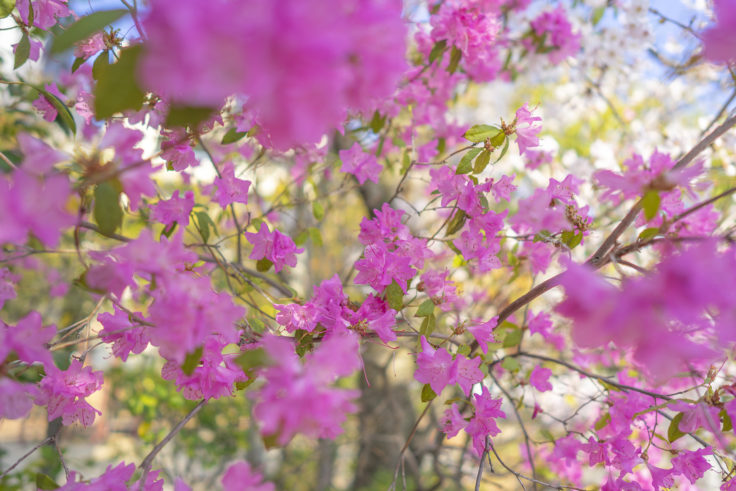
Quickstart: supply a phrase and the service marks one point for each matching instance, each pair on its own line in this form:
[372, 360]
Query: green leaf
[6, 8]
[192, 361]
[427, 393]
[100, 64]
[482, 161]
[437, 50]
[602, 421]
[316, 236]
[377, 122]
[511, 364]
[456, 223]
[426, 308]
[498, 139]
[571, 238]
[465, 165]
[650, 204]
[192, 116]
[232, 136]
[727, 423]
[117, 87]
[263, 265]
[673, 432]
[455, 57]
[77, 63]
[318, 210]
[513, 338]
[480, 132]
[301, 238]
[107, 211]
[45, 482]
[270, 441]
[84, 28]
[394, 296]
[503, 151]
[203, 223]
[251, 359]
[22, 51]
[598, 14]
[648, 233]
[427, 327]
[65, 115]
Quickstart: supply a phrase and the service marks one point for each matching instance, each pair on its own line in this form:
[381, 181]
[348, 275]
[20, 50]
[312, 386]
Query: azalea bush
[436, 244]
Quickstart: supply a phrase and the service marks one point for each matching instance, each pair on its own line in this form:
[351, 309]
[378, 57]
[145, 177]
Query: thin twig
[148, 460]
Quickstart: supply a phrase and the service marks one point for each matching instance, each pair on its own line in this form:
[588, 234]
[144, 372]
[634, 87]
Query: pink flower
[692, 464]
[34, 205]
[274, 246]
[360, 164]
[90, 46]
[556, 30]
[452, 421]
[64, 392]
[38, 157]
[697, 416]
[719, 42]
[124, 336]
[435, 367]
[45, 12]
[527, 128]
[178, 154]
[468, 372]
[661, 478]
[483, 423]
[34, 52]
[230, 189]
[483, 333]
[174, 209]
[28, 339]
[539, 378]
[240, 476]
[16, 399]
[298, 397]
[342, 58]
[380, 267]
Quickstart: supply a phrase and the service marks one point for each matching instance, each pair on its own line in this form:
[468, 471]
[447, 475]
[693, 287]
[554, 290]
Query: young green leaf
[482, 161]
[465, 165]
[426, 308]
[117, 87]
[650, 204]
[107, 211]
[22, 51]
[480, 132]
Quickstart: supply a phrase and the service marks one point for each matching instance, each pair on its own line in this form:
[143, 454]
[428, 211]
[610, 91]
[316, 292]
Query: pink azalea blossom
[64, 392]
[539, 378]
[230, 189]
[274, 246]
[298, 397]
[692, 464]
[435, 367]
[557, 31]
[239, 476]
[125, 337]
[174, 209]
[16, 399]
[719, 41]
[483, 333]
[468, 372]
[483, 423]
[452, 421]
[362, 165]
[527, 128]
[90, 46]
[45, 12]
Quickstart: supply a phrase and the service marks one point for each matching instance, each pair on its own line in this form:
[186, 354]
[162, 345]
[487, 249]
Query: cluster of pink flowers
[391, 254]
[668, 304]
[554, 34]
[274, 246]
[438, 368]
[297, 396]
[300, 63]
[481, 426]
